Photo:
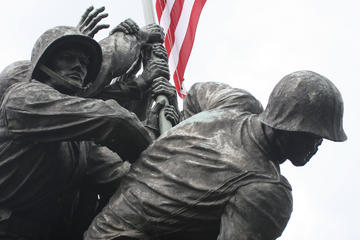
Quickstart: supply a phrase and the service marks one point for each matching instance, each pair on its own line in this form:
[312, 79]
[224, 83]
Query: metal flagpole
[148, 11]
[149, 16]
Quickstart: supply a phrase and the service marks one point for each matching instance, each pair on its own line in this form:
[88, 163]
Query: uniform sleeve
[211, 95]
[122, 90]
[36, 112]
[257, 211]
[120, 52]
[105, 170]
[130, 94]
[105, 166]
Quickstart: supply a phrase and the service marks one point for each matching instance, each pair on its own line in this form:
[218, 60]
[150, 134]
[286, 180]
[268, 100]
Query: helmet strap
[59, 81]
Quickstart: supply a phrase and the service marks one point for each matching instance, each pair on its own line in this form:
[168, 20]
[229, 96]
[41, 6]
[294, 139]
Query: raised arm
[121, 50]
[88, 24]
[37, 113]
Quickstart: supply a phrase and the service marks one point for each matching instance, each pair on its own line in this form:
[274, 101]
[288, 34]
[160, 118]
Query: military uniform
[204, 178]
[216, 175]
[52, 143]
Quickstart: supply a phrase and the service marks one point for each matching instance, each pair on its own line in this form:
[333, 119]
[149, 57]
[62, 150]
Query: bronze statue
[55, 138]
[216, 175]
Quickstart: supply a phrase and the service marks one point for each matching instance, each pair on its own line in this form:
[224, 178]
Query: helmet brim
[87, 44]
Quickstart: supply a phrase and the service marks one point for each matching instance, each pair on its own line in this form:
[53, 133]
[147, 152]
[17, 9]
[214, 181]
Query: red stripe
[160, 5]
[188, 44]
[174, 16]
[176, 81]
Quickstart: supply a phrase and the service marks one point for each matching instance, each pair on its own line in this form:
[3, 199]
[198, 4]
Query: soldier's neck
[275, 144]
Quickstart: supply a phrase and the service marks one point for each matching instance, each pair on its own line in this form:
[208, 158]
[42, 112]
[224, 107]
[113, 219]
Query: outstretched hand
[88, 24]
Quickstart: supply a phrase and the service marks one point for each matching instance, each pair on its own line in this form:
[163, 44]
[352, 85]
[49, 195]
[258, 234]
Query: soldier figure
[216, 175]
[53, 139]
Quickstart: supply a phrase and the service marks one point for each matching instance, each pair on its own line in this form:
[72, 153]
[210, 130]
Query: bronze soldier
[53, 139]
[216, 175]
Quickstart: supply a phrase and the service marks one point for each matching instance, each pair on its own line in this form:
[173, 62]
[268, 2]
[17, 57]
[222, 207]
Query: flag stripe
[189, 39]
[160, 5]
[179, 18]
[165, 18]
[175, 16]
[180, 33]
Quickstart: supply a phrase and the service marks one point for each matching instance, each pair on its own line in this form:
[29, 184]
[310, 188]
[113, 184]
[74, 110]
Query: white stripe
[180, 33]
[165, 17]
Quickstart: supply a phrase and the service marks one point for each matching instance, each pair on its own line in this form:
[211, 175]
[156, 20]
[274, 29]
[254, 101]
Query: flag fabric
[179, 18]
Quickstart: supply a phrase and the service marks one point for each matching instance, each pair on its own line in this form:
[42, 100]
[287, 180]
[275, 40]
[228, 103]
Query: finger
[159, 51]
[159, 79]
[168, 91]
[153, 27]
[97, 29]
[171, 109]
[127, 27]
[162, 88]
[157, 45]
[158, 62]
[132, 24]
[155, 68]
[149, 26]
[171, 115]
[123, 27]
[162, 91]
[158, 106]
[159, 48]
[162, 73]
[96, 21]
[170, 118]
[93, 15]
[119, 28]
[161, 55]
[161, 82]
[85, 15]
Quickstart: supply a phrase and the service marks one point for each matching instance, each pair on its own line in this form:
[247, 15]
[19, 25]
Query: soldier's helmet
[14, 73]
[305, 101]
[61, 36]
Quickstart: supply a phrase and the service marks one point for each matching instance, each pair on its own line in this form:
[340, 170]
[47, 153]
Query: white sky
[252, 45]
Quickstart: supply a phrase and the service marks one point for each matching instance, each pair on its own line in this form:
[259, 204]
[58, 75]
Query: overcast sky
[252, 45]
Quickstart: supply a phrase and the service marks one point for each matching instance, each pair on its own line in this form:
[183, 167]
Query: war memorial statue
[77, 120]
[55, 141]
[216, 175]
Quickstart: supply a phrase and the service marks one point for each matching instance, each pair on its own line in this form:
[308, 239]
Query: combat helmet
[58, 37]
[14, 73]
[305, 101]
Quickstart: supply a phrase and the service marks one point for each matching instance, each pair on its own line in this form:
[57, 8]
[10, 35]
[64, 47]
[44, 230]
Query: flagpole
[148, 12]
[164, 123]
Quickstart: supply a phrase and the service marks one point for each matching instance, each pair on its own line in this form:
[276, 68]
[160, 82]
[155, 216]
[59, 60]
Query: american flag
[179, 18]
